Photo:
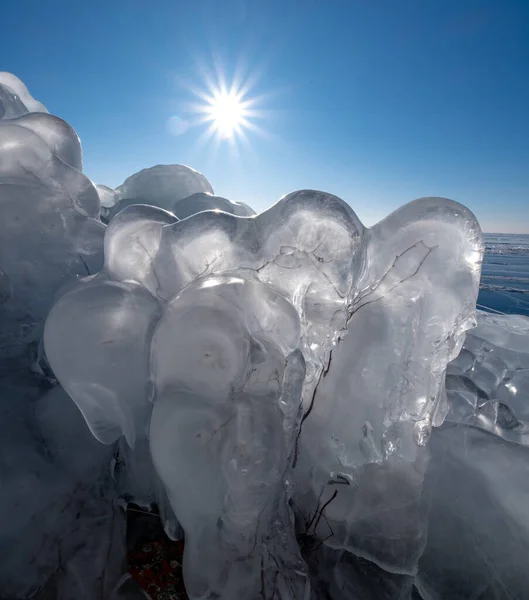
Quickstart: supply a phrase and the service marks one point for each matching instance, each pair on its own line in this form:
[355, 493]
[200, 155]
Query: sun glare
[227, 112]
[226, 109]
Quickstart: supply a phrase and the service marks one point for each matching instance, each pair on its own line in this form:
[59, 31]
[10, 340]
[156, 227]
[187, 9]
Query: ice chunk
[61, 531]
[379, 389]
[132, 243]
[107, 199]
[15, 100]
[97, 341]
[268, 314]
[270, 383]
[488, 383]
[138, 482]
[218, 424]
[50, 232]
[478, 534]
[107, 196]
[340, 575]
[60, 526]
[252, 312]
[203, 201]
[160, 186]
[60, 138]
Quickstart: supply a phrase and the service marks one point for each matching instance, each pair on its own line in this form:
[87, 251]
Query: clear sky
[376, 101]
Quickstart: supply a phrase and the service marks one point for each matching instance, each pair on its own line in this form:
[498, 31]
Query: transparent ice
[488, 383]
[50, 230]
[274, 384]
[233, 325]
[108, 199]
[15, 99]
[478, 536]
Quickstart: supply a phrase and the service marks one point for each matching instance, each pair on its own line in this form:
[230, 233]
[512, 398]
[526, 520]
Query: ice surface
[160, 186]
[53, 473]
[107, 196]
[229, 433]
[478, 535]
[239, 309]
[112, 388]
[270, 382]
[15, 100]
[380, 388]
[201, 201]
[488, 383]
[50, 228]
[107, 199]
[175, 188]
[61, 532]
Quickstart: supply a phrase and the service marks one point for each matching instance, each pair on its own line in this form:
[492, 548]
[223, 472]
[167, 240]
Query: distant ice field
[505, 276]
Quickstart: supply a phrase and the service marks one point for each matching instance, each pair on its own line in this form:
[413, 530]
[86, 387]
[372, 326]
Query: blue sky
[376, 101]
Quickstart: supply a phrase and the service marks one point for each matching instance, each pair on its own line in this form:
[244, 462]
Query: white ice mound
[50, 229]
[295, 346]
[175, 188]
[160, 186]
[488, 383]
[15, 100]
[202, 201]
[107, 199]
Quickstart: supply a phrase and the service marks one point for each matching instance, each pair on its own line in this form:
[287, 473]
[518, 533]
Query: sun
[227, 112]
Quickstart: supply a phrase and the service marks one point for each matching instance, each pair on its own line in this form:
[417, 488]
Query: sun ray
[228, 108]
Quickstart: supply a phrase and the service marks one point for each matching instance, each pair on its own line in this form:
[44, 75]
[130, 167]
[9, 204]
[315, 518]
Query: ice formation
[108, 199]
[50, 228]
[273, 383]
[202, 201]
[488, 383]
[15, 99]
[175, 188]
[476, 491]
[223, 315]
